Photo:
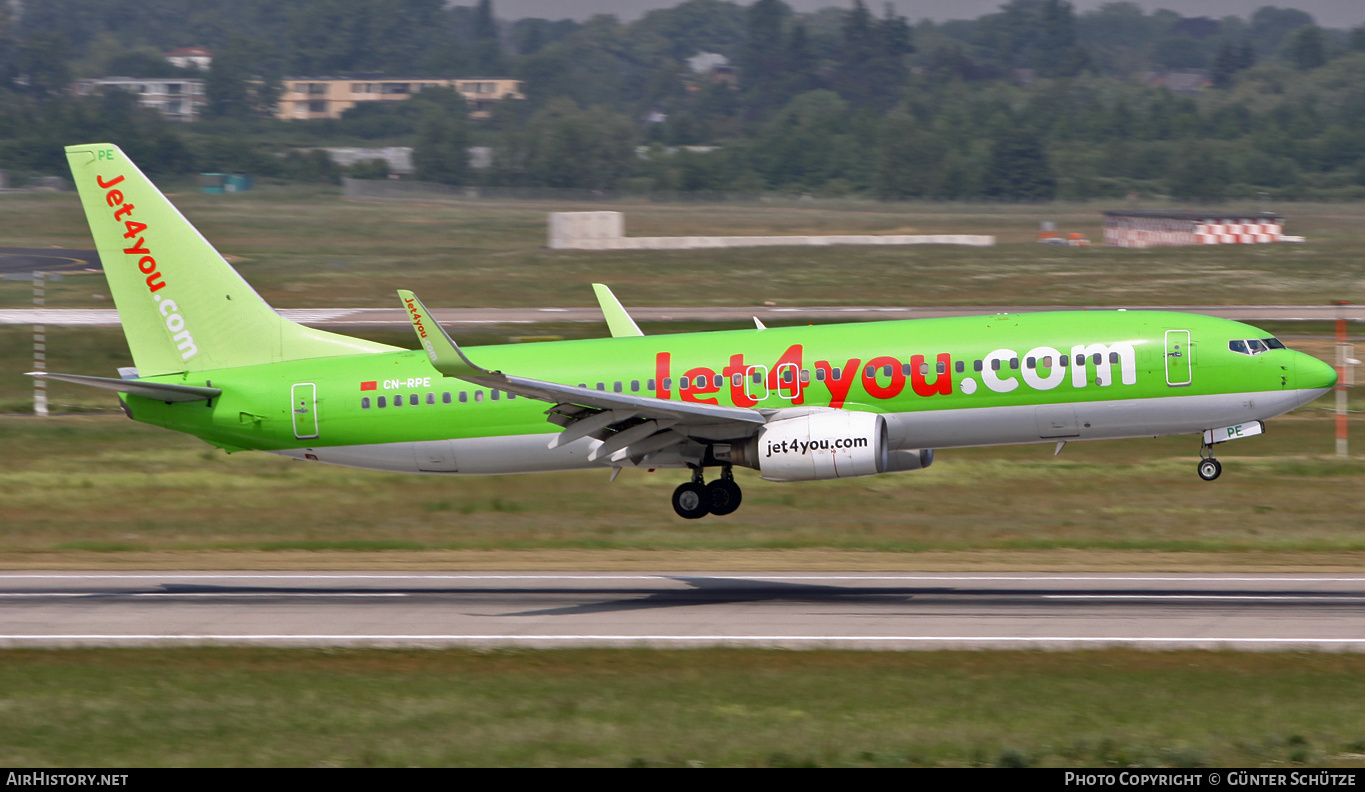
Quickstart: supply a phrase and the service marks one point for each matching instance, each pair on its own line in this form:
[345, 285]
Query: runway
[899, 611]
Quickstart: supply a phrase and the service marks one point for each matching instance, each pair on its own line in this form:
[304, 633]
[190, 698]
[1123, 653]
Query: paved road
[473, 317]
[863, 611]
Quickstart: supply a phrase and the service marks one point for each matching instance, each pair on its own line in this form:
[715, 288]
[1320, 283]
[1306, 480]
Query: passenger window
[870, 372]
[1014, 363]
[941, 368]
[495, 393]
[616, 386]
[634, 386]
[668, 383]
[805, 376]
[905, 369]
[1080, 360]
[381, 402]
[923, 369]
[365, 403]
[1031, 362]
[789, 375]
[464, 397]
[737, 380]
[887, 370]
[1113, 357]
[684, 383]
[431, 398]
[836, 373]
[413, 399]
[819, 375]
[1098, 358]
[478, 395]
[961, 366]
[976, 365]
[1062, 360]
[650, 384]
[718, 380]
[601, 386]
[758, 378]
[398, 400]
[995, 364]
[445, 398]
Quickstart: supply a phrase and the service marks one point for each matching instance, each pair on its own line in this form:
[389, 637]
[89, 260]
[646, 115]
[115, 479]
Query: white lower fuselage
[937, 429]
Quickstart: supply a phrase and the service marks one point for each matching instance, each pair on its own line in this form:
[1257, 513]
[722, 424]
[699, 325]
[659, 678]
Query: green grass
[305, 247]
[107, 485]
[714, 707]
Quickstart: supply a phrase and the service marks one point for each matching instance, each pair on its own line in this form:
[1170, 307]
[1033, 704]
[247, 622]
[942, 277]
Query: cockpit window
[1254, 346]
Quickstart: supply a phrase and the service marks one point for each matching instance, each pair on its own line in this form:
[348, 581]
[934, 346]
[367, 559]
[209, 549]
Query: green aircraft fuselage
[796, 403]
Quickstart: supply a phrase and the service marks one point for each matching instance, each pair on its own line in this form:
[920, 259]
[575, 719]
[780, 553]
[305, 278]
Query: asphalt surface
[27, 260]
[818, 610]
[474, 317]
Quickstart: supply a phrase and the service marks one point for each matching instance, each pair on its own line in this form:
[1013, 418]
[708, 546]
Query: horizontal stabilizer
[161, 391]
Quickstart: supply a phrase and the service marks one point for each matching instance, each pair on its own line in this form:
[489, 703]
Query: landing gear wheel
[724, 496]
[1209, 469]
[690, 501]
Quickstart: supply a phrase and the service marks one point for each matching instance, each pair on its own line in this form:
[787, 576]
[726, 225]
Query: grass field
[259, 707]
[99, 491]
[306, 247]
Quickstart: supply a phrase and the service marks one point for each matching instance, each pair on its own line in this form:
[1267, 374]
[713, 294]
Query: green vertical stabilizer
[183, 307]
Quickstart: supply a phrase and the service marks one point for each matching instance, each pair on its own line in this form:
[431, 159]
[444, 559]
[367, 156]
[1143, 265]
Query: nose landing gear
[695, 499]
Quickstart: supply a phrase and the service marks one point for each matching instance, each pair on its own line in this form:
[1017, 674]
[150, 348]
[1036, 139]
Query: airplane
[212, 359]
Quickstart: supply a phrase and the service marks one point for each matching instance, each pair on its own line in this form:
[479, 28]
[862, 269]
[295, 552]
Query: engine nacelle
[823, 445]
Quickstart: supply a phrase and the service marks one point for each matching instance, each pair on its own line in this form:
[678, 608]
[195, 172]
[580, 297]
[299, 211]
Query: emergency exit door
[305, 410]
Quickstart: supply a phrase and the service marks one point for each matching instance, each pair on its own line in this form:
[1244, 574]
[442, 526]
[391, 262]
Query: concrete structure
[329, 97]
[1143, 229]
[190, 58]
[606, 231]
[177, 98]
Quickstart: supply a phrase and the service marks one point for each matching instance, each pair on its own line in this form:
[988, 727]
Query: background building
[1141, 229]
[329, 97]
[177, 98]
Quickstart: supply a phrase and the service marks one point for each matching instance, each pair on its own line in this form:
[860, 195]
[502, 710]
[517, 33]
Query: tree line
[1031, 102]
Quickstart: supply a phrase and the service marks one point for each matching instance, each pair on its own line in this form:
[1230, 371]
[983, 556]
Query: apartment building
[177, 98]
[329, 97]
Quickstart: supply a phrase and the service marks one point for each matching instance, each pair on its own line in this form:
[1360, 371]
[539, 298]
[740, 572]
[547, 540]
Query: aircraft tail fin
[183, 307]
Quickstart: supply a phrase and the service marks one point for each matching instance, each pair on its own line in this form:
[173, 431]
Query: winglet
[618, 321]
[446, 357]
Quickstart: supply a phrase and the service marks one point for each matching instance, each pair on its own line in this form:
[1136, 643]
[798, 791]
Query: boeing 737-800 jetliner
[797, 404]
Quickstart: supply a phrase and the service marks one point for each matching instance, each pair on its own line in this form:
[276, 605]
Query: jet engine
[824, 445]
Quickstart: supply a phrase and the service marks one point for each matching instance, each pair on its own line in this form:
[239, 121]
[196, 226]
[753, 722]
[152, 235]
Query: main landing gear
[1209, 468]
[696, 499]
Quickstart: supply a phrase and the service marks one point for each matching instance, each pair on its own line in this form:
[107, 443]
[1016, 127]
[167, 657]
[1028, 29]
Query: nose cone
[1313, 374]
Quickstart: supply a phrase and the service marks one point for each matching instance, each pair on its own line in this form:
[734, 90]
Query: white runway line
[710, 639]
[665, 576]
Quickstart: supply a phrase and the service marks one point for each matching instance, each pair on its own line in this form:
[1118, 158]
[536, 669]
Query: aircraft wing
[629, 425]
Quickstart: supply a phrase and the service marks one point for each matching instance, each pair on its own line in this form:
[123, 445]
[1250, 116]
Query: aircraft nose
[1313, 374]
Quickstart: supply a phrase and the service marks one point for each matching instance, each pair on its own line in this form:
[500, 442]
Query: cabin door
[305, 410]
[1179, 360]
